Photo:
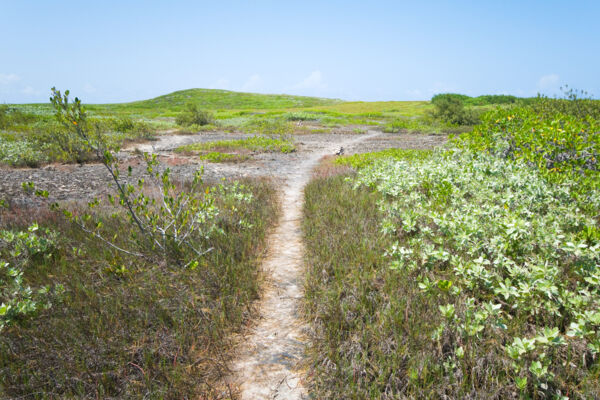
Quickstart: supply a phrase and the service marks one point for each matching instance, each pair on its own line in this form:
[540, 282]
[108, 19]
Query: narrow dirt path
[268, 359]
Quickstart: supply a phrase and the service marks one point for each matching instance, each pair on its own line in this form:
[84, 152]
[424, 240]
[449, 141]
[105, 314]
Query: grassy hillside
[213, 99]
[207, 99]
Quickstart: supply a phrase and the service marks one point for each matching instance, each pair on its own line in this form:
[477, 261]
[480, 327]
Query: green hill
[207, 99]
[212, 99]
[225, 99]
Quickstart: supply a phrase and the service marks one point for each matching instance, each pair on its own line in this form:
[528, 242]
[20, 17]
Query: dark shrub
[194, 116]
[451, 109]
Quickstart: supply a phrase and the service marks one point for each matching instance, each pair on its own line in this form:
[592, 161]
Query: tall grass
[359, 345]
[133, 328]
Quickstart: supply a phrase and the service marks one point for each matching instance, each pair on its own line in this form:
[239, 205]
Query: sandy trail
[267, 364]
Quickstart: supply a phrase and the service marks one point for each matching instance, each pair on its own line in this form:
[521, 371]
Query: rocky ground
[75, 182]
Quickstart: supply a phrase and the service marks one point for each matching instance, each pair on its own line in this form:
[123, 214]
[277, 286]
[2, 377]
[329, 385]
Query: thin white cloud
[220, 84]
[442, 87]
[549, 81]
[415, 94]
[313, 81]
[88, 88]
[253, 83]
[28, 90]
[5, 79]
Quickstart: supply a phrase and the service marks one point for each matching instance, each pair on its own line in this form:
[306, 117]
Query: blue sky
[113, 51]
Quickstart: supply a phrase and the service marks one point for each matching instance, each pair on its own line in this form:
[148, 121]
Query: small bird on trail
[339, 152]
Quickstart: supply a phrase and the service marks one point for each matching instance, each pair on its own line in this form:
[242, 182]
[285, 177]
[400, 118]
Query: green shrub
[456, 275]
[565, 148]
[18, 301]
[494, 99]
[301, 116]
[194, 116]
[500, 248]
[483, 100]
[443, 97]
[574, 103]
[451, 109]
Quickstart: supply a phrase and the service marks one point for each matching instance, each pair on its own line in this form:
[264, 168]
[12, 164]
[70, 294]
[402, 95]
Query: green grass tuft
[255, 143]
[362, 160]
[217, 157]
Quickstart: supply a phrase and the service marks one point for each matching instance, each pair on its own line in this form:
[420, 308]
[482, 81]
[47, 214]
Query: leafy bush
[563, 147]
[452, 110]
[510, 254]
[301, 116]
[194, 116]
[485, 283]
[484, 100]
[444, 97]
[574, 103]
[17, 299]
[171, 223]
[23, 153]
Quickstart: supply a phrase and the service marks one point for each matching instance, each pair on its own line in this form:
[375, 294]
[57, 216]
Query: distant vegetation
[451, 109]
[194, 116]
[29, 133]
[485, 100]
[255, 143]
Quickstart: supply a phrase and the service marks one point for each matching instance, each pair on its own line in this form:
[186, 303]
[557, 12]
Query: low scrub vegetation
[565, 148]
[29, 139]
[469, 272]
[361, 160]
[255, 143]
[218, 157]
[484, 100]
[132, 295]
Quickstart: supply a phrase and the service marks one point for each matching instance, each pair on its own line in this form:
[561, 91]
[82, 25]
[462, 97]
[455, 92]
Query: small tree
[168, 222]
